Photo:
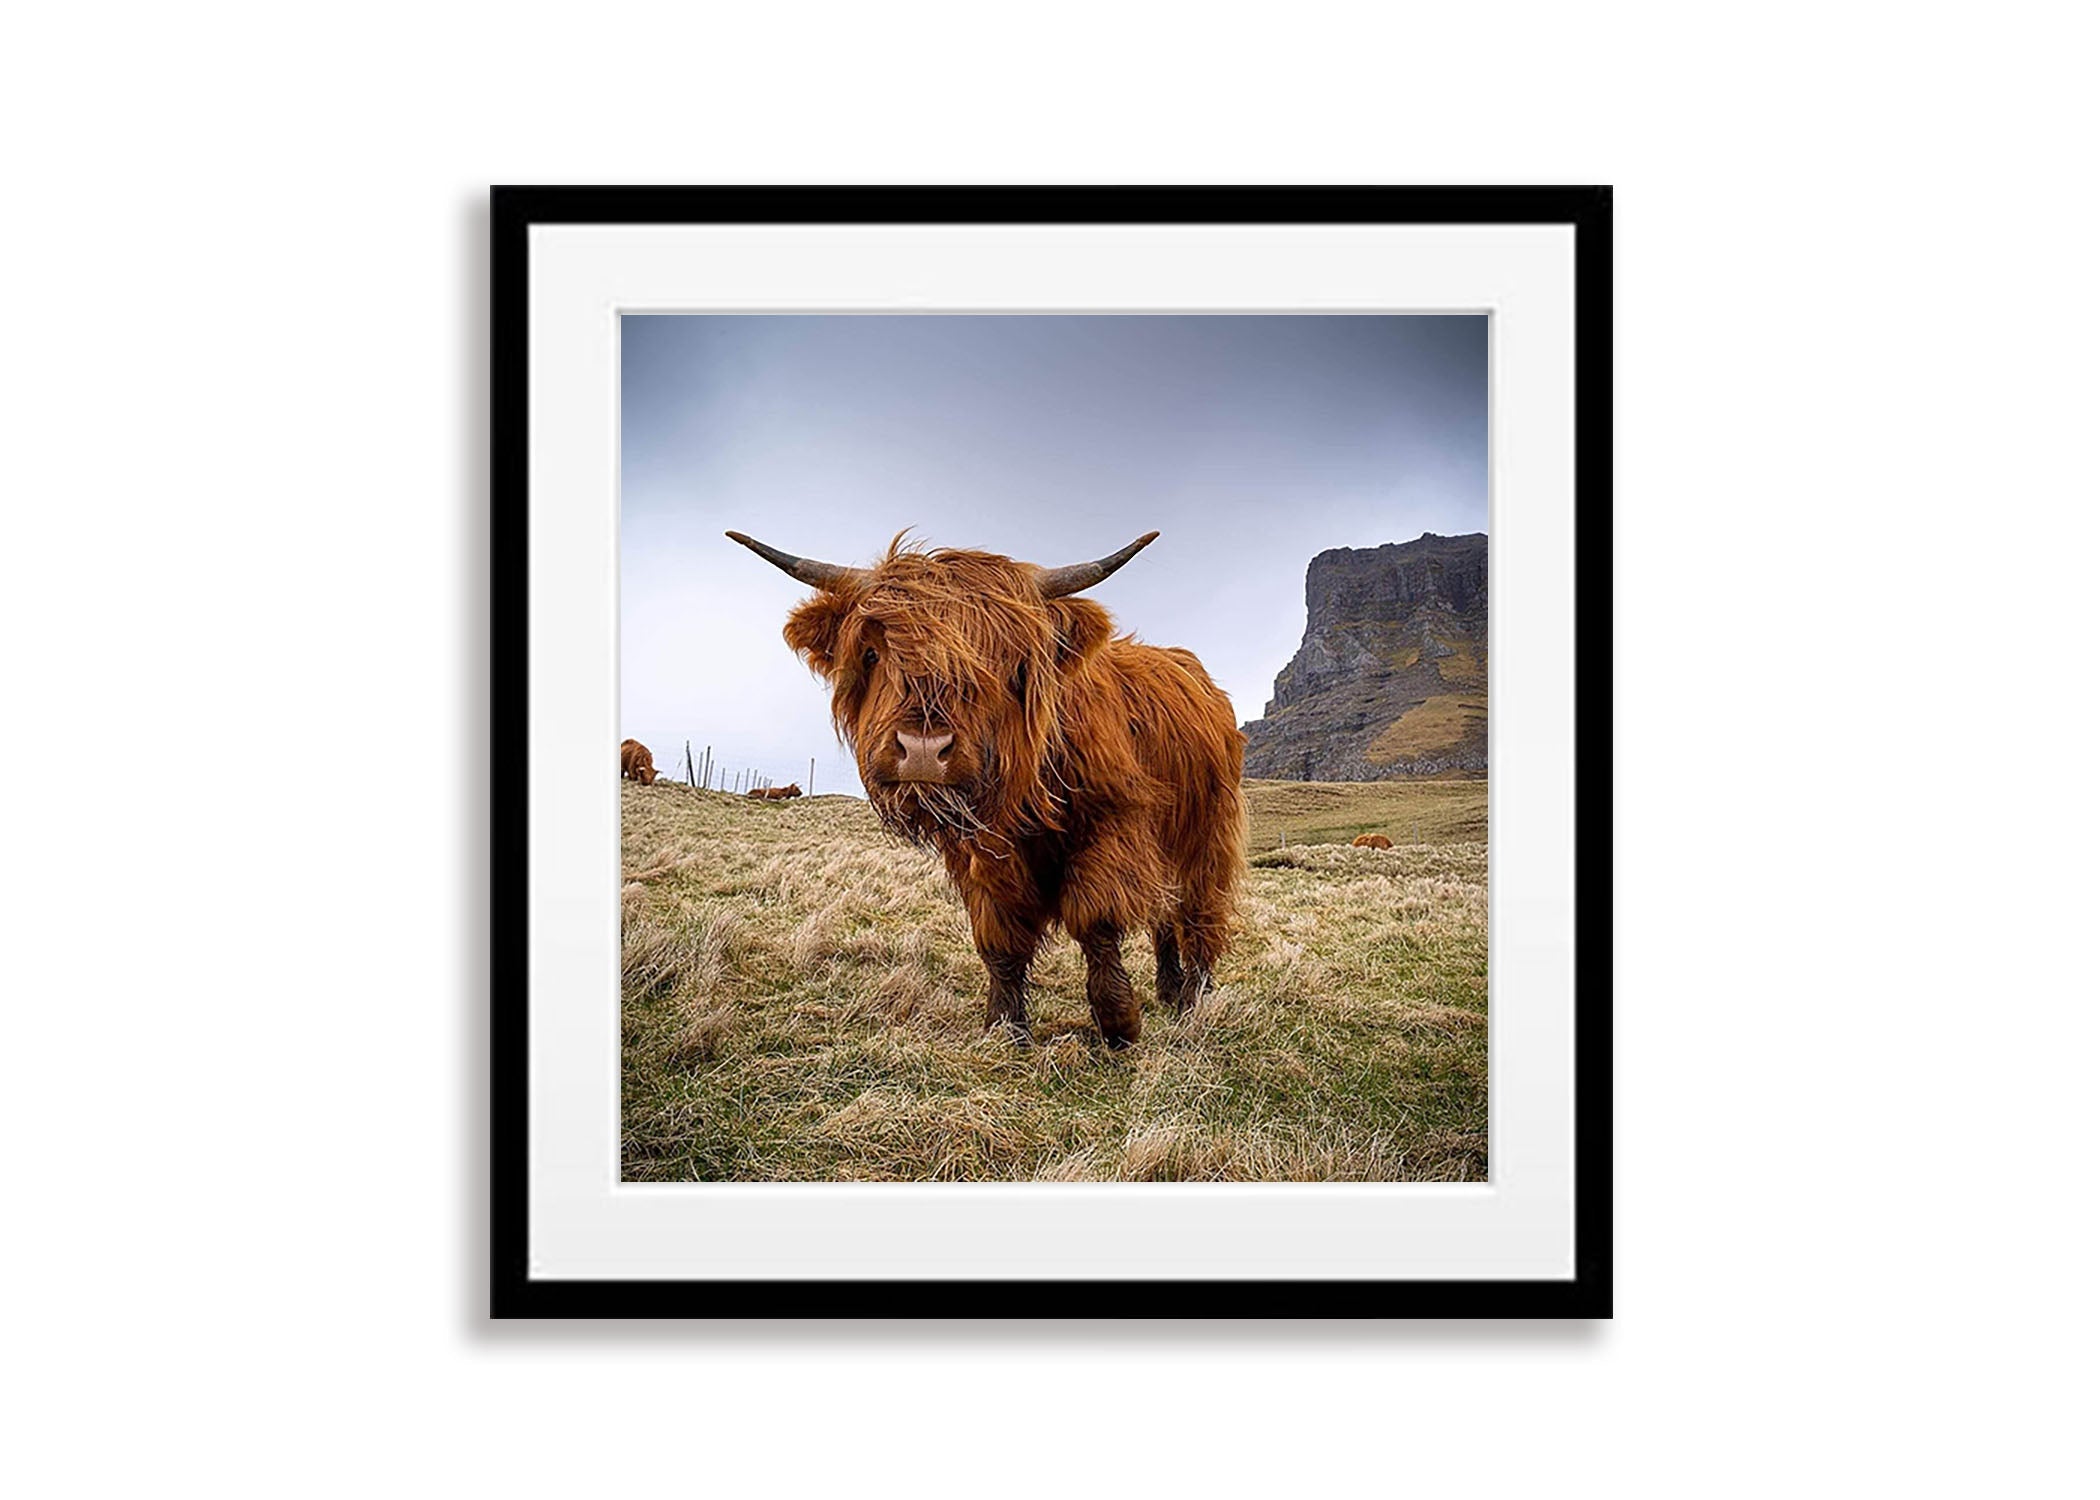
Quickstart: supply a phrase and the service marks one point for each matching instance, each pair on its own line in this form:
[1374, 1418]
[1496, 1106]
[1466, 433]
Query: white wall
[243, 604]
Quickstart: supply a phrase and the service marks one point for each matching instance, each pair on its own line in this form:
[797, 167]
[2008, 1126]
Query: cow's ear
[813, 631]
[1083, 627]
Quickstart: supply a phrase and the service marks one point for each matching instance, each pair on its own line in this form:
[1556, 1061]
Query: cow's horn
[1058, 582]
[821, 575]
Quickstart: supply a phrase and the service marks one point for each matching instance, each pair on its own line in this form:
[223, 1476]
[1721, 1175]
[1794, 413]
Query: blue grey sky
[1249, 443]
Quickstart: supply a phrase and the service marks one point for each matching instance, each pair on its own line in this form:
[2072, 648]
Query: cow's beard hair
[928, 813]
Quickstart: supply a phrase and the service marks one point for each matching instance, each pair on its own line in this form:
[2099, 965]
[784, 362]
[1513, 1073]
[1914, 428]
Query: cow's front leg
[1108, 991]
[1007, 920]
[1006, 1005]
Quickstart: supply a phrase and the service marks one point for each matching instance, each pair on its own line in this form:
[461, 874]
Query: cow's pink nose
[925, 756]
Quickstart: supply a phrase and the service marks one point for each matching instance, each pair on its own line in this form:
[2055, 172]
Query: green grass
[801, 1002]
[1334, 812]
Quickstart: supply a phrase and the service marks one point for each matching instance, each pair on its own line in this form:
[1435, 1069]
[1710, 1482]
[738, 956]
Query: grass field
[1334, 812]
[801, 1002]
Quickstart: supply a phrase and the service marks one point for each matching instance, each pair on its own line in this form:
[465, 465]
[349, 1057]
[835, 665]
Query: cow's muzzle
[923, 757]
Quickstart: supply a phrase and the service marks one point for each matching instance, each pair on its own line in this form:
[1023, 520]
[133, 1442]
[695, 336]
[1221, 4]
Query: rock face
[1391, 679]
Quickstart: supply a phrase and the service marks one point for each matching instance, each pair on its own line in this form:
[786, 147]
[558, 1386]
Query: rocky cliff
[1391, 678]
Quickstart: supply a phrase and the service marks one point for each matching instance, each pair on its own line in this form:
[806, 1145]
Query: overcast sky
[1248, 443]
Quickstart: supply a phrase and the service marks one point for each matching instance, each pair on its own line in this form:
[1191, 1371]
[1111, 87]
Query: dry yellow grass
[1463, 665]
[1429, 728]
[801, 1002]
[1334, 812]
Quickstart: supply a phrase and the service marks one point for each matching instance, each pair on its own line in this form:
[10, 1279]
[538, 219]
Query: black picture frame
[513, 1292]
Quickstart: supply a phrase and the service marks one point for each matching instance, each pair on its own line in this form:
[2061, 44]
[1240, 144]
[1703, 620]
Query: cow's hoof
[1014, 1032]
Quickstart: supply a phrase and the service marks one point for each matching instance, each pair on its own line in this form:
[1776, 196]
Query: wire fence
[705, 773]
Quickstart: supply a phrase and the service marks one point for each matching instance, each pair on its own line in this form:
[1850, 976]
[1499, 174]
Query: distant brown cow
[636, 764]
[782, 793]
[1370, 841]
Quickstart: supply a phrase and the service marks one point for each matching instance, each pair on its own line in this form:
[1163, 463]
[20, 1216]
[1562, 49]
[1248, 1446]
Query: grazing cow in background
[782, 793]
[636, 764]
[1066, 775]
[1370, 841]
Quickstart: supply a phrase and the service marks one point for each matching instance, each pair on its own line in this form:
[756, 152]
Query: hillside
[801, 1002]
[1390, 681]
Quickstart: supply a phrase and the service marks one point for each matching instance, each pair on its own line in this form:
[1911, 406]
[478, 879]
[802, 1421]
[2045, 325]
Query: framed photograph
[1051, 752]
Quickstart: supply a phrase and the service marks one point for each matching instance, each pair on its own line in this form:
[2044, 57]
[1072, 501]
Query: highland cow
[1370, 841]
[1067, 776]
[636, 764]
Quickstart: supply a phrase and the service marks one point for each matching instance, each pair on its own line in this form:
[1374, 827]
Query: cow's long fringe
[1105, 747]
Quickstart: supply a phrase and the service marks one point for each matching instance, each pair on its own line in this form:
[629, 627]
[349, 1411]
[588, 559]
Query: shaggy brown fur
[636, 764]
[1370, 841]
[1093, 783]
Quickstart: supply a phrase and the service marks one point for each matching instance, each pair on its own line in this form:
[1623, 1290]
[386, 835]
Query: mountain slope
[1391, 678]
